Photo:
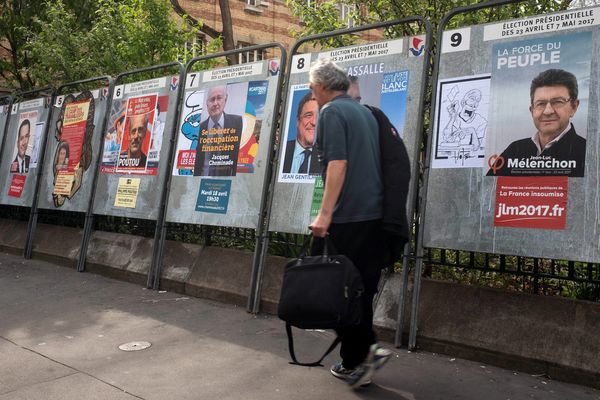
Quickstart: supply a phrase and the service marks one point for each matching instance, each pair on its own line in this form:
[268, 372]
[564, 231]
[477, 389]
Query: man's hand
[320, 225]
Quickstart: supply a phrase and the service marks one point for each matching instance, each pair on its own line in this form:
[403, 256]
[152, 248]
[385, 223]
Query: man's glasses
[556, 104]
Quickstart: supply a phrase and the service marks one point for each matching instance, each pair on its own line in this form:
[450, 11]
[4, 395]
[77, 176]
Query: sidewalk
[60, 333]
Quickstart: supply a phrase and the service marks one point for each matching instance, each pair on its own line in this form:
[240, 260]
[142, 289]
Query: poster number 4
[456, 40]
[300, 63]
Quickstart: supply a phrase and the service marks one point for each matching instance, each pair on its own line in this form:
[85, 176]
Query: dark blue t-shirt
[348, 131]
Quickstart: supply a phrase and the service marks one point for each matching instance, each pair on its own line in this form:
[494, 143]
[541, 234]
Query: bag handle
[328, 246]
[288, 330]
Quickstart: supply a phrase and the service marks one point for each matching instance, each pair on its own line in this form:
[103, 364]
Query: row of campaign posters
[488, 122]
[217, 136]
[525, 123]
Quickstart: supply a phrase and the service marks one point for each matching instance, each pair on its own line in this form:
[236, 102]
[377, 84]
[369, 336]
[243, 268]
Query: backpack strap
[288, 330]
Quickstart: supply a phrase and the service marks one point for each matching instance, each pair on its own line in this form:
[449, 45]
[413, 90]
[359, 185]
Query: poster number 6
[118, 92]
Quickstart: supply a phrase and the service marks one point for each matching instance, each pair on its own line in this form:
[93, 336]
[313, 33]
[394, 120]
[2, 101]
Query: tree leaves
[59, 41]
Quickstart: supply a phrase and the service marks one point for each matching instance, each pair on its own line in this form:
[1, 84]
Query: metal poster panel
[222, 150]
[136, 148]
[513, 160]
[72, 150]
[4, 114]
[385, 74]
[22, 150]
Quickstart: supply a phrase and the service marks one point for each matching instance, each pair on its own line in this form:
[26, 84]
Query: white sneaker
[363, 373]
[381, 356]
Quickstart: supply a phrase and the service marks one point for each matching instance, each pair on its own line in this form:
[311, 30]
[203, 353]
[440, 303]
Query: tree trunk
[228, 43]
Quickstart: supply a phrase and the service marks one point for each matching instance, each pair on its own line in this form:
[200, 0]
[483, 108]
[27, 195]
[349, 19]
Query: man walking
[351, 210]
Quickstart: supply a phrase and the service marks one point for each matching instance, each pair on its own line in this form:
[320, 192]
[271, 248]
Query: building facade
[254, 21]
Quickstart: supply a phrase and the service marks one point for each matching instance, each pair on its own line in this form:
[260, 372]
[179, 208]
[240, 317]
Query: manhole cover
[134, 346]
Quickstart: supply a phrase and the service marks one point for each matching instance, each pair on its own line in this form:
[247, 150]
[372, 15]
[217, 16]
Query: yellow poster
[63, 183]
[127, 192]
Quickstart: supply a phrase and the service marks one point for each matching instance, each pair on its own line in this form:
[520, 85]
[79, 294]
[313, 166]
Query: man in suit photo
[299, 155]
[21, 161]
[220, 133]
[555, 148]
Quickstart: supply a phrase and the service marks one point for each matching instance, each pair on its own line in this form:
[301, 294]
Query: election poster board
[4, 114]
[72, 150]
[222, 149]
[135, 148]
[386, 74]
[513, 165]
[22, 151]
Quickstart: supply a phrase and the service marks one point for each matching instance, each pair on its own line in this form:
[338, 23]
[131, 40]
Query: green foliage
[539, 276]
[59, 41]
[581, 291]
[325, 17]
[286, 244]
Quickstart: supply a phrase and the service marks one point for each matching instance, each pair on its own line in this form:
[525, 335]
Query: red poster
[139, 121]
[531, 202]
[73, 131]
[17, 184]
[68, 152]
[186, 159]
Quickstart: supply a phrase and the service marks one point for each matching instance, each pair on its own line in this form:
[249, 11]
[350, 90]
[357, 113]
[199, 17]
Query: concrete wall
[554, 336]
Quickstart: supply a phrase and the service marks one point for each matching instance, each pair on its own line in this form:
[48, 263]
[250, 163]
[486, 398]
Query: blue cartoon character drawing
[190, 128]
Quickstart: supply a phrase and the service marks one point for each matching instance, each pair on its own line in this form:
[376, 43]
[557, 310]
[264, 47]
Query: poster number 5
[59, 101]
[300, 63]
[456, 40]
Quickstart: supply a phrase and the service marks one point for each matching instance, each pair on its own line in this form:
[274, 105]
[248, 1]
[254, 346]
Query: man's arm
[449, 129]
[336, 175]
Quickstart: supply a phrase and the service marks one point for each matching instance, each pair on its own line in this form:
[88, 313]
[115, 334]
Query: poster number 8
[300, 63]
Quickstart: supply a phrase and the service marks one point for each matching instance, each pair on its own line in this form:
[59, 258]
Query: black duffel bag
[320, 292]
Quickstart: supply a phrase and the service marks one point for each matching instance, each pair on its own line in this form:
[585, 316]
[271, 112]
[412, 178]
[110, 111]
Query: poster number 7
[192, 81]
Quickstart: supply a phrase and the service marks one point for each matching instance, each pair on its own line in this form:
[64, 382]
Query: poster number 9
[456, 40]
[300, 63]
